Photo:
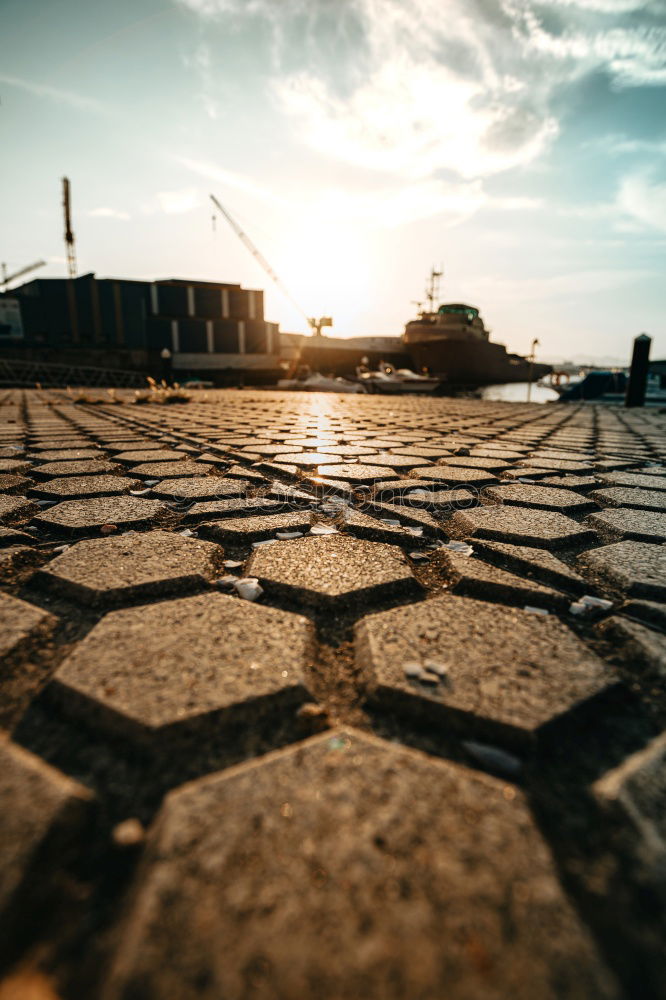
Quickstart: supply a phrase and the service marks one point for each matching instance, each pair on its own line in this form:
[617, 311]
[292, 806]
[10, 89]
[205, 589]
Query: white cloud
[174, 202]
[431, 100]
[240, 182]
[103, 212]
[644, 200]
[557, 286]
[68, 97]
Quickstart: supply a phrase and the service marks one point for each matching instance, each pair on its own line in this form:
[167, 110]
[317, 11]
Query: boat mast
[432, 288]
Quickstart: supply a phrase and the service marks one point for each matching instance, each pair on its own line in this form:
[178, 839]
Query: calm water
[517, 393]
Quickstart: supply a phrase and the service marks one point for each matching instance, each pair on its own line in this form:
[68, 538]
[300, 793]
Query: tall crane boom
[314, 324]
[6, 278]
[69, 235]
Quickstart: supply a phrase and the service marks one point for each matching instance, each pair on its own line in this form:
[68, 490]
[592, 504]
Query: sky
[520, 146]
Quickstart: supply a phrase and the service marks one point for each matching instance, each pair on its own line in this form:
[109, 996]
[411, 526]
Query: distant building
[213, 331]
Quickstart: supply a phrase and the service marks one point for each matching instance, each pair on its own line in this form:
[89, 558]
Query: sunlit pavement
[317, 696]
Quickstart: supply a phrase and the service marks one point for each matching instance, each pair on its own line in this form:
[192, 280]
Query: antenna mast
[432, 288]
[69, 235]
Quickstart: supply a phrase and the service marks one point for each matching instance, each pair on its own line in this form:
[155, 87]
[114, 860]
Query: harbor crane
[314, 323]
[7, 278]
[69, 235]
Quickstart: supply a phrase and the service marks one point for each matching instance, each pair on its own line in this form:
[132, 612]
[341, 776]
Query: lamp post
[532, 355]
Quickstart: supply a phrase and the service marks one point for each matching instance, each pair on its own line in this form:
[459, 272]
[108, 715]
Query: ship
[449, 342]
[452, 342]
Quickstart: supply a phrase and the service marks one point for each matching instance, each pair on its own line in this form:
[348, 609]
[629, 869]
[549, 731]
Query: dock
[316, 697]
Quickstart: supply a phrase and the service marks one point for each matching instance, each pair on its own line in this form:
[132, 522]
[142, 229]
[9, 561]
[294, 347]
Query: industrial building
[212, 331]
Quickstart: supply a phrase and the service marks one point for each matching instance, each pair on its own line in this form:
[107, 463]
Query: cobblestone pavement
[308, 696]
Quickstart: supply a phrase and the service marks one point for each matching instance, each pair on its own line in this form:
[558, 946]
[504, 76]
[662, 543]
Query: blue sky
[520, 144]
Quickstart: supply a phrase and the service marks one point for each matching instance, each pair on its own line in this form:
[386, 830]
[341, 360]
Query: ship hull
[472, 362]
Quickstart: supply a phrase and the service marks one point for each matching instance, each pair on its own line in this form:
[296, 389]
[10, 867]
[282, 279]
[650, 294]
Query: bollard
[639, 371]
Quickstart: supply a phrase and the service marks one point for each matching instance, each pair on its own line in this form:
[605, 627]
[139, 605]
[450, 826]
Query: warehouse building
[213, 331]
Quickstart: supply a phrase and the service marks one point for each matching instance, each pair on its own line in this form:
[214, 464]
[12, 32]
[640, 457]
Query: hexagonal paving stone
[581, 484]
[358, 473]
[132, 567]
[493, 464]
[406, 514]
[539, 528]
[635, 499]
[423, 451]
[15, 508]
[454, 476]
[13, 484]
[530, 474]
[471, 577]
[649, 612]
[12, 557]
[51, 470]
[308, 459]
[48, 815]
[363, 526]
[508, 672]
[170, 470]
[636, 644]
[633, 794]
[538, 497]
[423, 879]
[641, 525]
[557, 464]
[332, 569]
[201, 488]
[21, 626]
[85, 486]
[637, 568]
[537, 564]
[13, 466]
[13, 536]
[395, 461]
[438, 501]
[172, 666]
[637, 479]
[69, 454]
[148, 456]
[243, 530]
[76, 517]
[237, 507]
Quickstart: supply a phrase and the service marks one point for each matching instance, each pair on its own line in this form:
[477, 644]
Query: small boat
[306, 380]
[391, 381]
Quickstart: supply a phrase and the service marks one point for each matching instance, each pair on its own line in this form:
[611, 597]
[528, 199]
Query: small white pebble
[248, 588]
[62, 548]
[187, 533]
[285, 535]
[535, 611]
[521, 479]
[227, 581]
[129, 833]
[267, 541]
[323, 529]
[391, 524]
[437, 667]
[596, 602]
[232, 564]
[462, 547]
[415, 532]
[418, 555]
[151, 482]
[139, 493]
[413, 670]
